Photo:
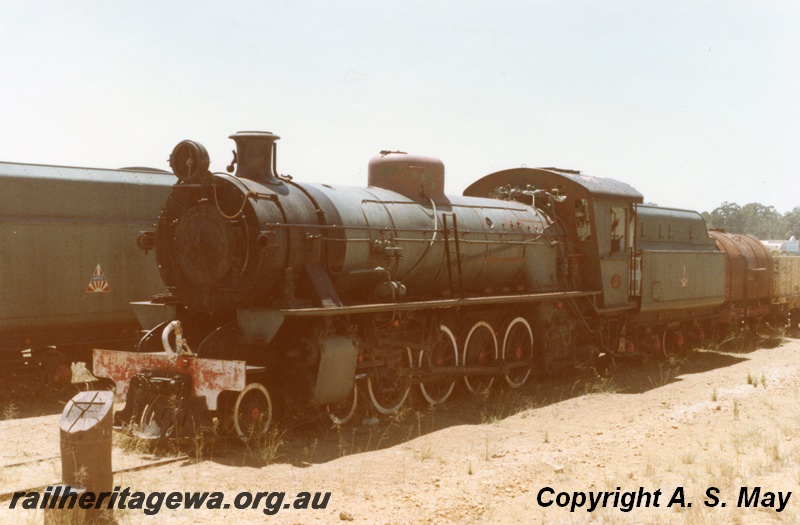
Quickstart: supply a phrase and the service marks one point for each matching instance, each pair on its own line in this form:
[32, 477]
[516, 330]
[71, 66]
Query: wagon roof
[137, 175]
[547, 178]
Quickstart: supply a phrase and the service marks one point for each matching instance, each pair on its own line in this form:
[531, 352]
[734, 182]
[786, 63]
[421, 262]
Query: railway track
[5, 496]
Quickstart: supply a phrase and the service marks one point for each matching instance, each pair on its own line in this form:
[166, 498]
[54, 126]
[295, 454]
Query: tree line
[763, 222]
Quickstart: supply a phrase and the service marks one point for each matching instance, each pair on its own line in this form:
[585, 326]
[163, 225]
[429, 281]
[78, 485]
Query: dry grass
[265, 448]
[10, 410]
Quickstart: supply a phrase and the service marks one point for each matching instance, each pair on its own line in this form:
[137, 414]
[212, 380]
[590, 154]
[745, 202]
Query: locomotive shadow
[26, 400]
[320, 441]
[638, 378]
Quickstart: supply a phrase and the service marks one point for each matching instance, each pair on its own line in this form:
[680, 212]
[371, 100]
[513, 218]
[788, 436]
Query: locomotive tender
[291, 294]
[69, 267]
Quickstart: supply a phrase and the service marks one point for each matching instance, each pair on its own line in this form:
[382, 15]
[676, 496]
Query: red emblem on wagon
[98, 282]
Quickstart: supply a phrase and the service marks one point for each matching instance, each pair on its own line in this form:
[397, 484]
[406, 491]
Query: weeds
[667, 372]
[747, 340]
[394, 421]
[426, 453]
[774, 452]
[128, 440]
[746, 440]
[427, 450]
[771, 338]
[595, 383]
[754, 380]
[81, 476]
[263, 447]
[309, 450]
[10, 411]
[502, 403]
[342, 443]
[198, 446]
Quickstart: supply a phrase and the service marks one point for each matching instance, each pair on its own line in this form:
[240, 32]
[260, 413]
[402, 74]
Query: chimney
[255, 156]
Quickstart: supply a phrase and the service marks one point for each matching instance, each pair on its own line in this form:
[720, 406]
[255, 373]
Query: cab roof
[573, 183]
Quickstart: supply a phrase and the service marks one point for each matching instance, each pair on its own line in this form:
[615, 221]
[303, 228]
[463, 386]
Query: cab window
[619, 227]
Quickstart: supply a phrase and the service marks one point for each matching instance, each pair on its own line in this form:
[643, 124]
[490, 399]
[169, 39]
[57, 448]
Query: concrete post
[86, 432]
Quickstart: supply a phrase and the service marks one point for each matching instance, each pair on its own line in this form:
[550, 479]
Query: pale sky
[693, 103]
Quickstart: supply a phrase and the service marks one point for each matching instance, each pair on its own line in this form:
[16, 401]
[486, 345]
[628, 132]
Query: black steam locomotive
[287, 294]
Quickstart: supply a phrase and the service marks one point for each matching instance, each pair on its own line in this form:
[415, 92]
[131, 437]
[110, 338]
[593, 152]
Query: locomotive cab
[597, 215]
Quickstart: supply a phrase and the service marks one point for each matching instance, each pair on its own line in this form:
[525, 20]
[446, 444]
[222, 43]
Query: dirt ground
[708, 420]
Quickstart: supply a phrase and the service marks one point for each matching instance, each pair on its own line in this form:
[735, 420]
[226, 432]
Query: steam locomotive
[287, 295]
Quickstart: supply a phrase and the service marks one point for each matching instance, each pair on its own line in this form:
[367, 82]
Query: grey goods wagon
[70, 265]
